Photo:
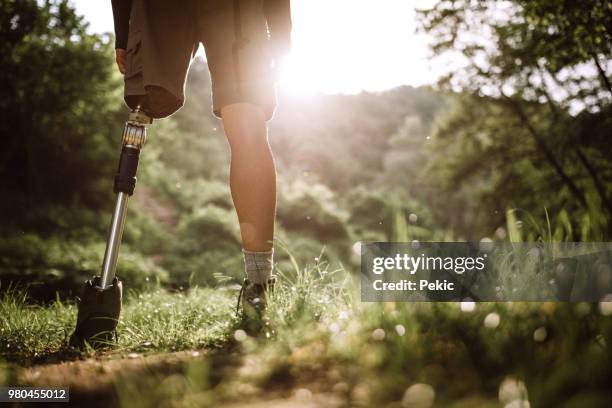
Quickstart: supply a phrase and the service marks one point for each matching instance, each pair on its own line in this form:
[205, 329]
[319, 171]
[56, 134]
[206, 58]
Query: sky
[338, 46]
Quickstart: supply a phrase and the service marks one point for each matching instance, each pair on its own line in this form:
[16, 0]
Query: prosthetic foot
[98, 315]
[100, 304]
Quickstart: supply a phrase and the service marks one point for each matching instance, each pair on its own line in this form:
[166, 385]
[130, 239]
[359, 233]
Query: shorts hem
[255, 95]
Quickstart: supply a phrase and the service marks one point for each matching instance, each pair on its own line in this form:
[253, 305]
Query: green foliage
[514, 230]
[378, 217]
[347, 144]
[58, 89]
[312, 210]
[532, 74]
[209, 245]
[56, 265]
[526, 44]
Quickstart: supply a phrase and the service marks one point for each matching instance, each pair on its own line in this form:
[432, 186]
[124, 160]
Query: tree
[545, 65]
[59, 99]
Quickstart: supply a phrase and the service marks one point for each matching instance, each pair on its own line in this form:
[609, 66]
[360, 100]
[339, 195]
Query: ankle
[258, 265]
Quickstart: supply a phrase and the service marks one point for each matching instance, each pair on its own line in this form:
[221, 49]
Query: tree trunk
[602, 74]
[548, 154]
[588, 166]
[601, 189]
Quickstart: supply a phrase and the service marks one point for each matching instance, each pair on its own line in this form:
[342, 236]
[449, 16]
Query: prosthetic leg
[100, 304]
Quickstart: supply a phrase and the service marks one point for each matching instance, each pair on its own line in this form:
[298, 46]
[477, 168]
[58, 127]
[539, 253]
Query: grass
[324, 343]
[155, 320]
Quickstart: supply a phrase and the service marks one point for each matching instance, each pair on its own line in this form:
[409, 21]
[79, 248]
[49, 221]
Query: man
[244, 41]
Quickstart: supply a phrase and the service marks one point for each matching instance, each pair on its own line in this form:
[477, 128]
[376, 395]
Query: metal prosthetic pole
[100, 304]
[134, 137]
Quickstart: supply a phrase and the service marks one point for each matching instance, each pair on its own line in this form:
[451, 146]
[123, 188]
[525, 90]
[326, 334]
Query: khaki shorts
[161, 42]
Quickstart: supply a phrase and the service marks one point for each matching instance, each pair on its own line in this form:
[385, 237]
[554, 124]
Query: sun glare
[297, 77]
[346, 46]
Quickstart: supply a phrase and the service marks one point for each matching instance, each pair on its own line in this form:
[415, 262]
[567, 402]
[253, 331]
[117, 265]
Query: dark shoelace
[242, 289]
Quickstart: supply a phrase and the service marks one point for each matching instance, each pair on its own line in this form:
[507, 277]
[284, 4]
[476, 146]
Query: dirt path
[93, 381]
[92, 373]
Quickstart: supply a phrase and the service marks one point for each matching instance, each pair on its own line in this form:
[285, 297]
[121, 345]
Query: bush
[209, 243]
[53, 264]
[312, 210]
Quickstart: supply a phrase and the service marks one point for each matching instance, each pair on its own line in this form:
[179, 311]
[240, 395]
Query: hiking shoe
[98, 315]
[252, 297]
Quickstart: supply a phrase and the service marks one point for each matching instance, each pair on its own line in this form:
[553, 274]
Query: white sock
[258, 265]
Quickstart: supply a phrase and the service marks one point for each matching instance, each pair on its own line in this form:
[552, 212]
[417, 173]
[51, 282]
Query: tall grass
[156, 320]
[30, 331]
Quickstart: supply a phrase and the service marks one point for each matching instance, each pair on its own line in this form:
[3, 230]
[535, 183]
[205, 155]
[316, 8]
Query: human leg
[244, 98]
[252, 174]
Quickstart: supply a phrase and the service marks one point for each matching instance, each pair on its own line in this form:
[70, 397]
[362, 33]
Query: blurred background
[424, 120]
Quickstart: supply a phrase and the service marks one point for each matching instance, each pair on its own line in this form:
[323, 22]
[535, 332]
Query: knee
[245, 126]
[248, 142]
[245, 137]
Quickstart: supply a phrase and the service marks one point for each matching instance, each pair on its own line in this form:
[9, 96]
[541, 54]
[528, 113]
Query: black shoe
[253, 299]
[98, 315]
